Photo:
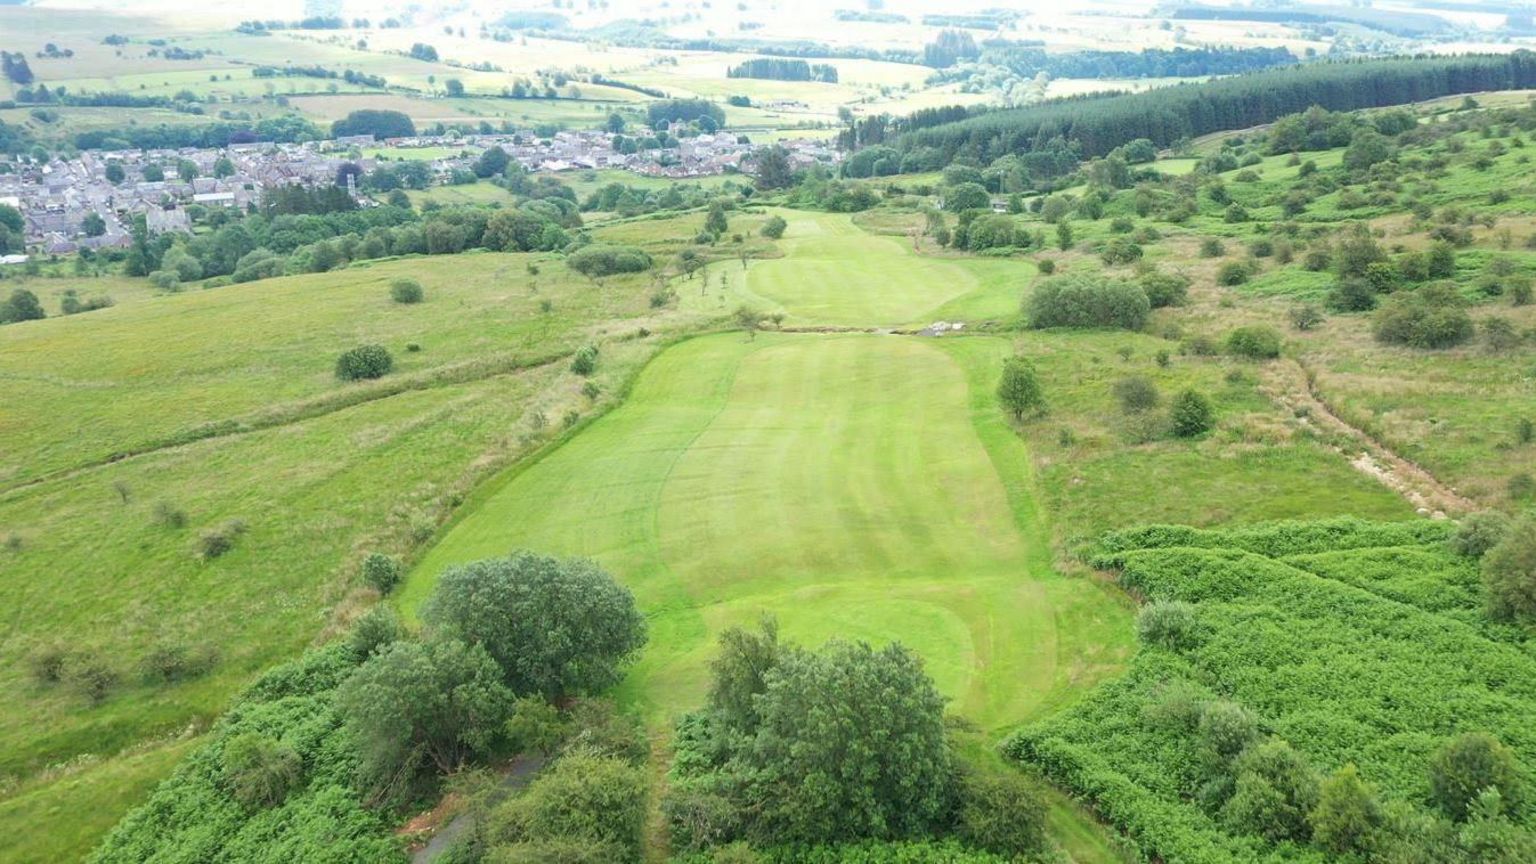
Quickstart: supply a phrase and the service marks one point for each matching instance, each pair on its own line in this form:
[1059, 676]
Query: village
[89, 202]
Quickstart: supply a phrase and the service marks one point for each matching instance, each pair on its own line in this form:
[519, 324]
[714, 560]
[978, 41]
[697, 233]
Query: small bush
[92, 677]
[1211, 247]
[406, 291]
[260, 771]
[217, 542]
[1001, 814]
[381, 572]
[1192, 414]
[1164, 289]
[1254, 342]
[1046, 266]
[169, 662]
[585, 361]
[1305, 317]
[1136, 394]
[169, 516]
[49, 663]
[1233, 273]
[1167, 623]
[375, 630]
[364, 362]
[773, 229]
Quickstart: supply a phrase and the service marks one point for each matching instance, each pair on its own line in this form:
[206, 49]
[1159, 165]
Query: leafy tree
[406, 290]
[454, 87]
[1019, 390]
[492, 162]
[1479, 532]
[1064, 235]
[93, 225]
[222, 168]
[773, 169]
[153, 173]
[1468, 764]
[1168, 623]
[967, 196]
[1509, 572]
[749, 319]
[850, 744]
[1366, 148]
[376, 630]
[259, 771]
[597, 260]
[715, 222]
[773, 229]
[23, 305]
[115, 173]
[1192, 414]
[1347, 815]
[381, 572]
[363, 362]
[1164, 289]
[439, 701]
[557, 627]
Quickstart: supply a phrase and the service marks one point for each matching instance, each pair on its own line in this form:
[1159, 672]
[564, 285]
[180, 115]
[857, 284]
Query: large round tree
[557, 627]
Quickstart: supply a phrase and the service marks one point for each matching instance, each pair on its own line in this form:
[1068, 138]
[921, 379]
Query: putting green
[848, 485]
[834, 272]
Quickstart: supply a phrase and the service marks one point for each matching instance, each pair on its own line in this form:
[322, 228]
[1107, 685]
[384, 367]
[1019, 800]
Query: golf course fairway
[854, 486]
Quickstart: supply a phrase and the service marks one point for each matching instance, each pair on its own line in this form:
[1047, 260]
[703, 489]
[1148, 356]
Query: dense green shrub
[375, 630]
[1468, 764]
[364, 362]
[1255, 342]
[773, 229]
[1085, 301]
[1430, 317]
[584, 362]
[1233, 273]
[589, 808]
[260, 771]
[1509, 572]
[406, 291]
[1135, 393]
[1120, 250]
[1347, 815]
[1164, 289]
[1476, 533]
[381, 572]
[1001, 814]
[597, 260]
[1168, 624]
[1191, 414]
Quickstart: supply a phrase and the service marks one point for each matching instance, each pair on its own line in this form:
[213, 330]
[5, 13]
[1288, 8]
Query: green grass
[1255, 466]
[320, 472]
[835, 273]
[841, 483]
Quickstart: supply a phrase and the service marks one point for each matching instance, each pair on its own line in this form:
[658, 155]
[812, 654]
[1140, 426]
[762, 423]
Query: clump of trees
[378, 123]
[1429, 317]
[838, 746]
[598, 260]
[1080, 300]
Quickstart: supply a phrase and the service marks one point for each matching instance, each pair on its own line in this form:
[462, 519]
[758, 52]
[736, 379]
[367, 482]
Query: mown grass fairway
[835, 273]
[841, 483]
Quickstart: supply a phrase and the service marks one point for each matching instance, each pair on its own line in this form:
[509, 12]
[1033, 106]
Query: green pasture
[853, 486]
[125, 378]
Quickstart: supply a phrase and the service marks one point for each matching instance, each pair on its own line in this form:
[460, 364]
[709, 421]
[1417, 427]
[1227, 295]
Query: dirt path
[519, 775]
[1289, 385]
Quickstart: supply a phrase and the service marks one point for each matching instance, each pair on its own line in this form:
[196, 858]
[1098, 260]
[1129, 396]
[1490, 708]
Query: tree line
[779, 69]
[1098, 124]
